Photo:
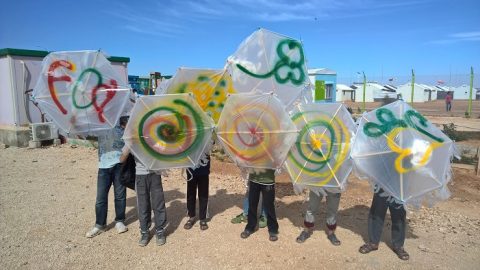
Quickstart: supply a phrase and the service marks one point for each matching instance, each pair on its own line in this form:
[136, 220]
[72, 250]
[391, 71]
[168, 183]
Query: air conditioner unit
[43, 131]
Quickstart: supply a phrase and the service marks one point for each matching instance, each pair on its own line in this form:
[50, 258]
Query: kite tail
[319, 191]
[204, 156]
[390, 199]
[298, 188]
[185, 174]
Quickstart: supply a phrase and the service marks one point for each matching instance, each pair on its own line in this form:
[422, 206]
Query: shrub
[451, 132]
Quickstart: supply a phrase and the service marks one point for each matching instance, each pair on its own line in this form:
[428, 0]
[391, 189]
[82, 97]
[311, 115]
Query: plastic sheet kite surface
[210, 88]
[168, 131]
[320, 157]
[268, 62]
[404, 154]
[256, 131]
[81, 91]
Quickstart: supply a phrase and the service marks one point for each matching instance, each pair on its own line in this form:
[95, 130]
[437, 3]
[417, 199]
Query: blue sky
[382, 38]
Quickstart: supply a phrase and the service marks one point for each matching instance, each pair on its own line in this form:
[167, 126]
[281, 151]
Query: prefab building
[345, 93]
[324, 83]
[430, 92]
[463, 92]
[421, 93]
[373, 91]
[19, 71]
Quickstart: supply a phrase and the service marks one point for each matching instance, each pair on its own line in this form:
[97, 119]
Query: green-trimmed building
[324, 83]
[19, 70]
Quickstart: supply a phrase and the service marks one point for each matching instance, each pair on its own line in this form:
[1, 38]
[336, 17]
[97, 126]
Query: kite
[210, 88]
[320, 157]
[268, 62]
[168, 131]
[255, 131]
[81, 91]
[398, 150]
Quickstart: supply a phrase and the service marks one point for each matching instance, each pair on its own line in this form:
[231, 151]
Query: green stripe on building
[35, 53]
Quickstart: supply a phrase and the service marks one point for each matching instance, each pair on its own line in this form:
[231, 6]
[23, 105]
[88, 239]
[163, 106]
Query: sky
[440, 40]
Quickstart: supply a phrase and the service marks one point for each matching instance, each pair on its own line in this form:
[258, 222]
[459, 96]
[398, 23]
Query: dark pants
[107, 177]
[150, 196]
[268, 194]
[449, 107]
[201, 183]
[376, 218]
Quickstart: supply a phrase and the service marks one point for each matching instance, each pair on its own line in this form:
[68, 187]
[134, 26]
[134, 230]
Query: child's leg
[333, 202]
[312, 209]
[398, 216]
[120, 192]
[143, 201]
[245, 203]
[158, 203]
[104, 182]
[203, 184]
[253, 197]
[376, 218]
[268, 193]
[192, 196]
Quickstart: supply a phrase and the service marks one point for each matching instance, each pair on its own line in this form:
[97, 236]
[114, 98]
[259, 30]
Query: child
[333, 201]
[242, 217]
[262, 183]
[376, 219]
[198, 179]
[110, 146]
[148, 186]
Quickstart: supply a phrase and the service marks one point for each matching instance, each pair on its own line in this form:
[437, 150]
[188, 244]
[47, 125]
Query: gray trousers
[333, 201]
[150, 196]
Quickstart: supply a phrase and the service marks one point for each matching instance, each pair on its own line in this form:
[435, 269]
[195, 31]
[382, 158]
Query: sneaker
[121, 228]
[239, 219]
[262, 222]
[144, 238]
[161, 239]
[94, 232]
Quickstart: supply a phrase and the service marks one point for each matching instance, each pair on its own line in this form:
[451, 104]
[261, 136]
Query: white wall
[26, 71]
[406, 91]
[6, 102]
[122, 69]
[369, 92]
[462, 92]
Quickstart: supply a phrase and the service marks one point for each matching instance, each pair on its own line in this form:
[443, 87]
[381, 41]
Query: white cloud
[458, 37]
[466, 35]
[175, 17]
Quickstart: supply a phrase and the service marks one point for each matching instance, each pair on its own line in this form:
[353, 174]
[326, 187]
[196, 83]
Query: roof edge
[37, 53]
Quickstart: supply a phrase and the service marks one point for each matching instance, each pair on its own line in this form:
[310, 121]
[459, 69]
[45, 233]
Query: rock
[423, 248]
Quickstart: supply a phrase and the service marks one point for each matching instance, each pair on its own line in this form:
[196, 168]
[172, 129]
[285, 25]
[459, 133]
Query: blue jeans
[245, 205]
[107, 177]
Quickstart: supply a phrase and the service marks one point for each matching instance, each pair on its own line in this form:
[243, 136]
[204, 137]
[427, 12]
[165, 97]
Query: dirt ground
[47, 199]
[435, 112]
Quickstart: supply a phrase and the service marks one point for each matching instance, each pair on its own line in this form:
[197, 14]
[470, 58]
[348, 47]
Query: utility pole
[471, 91]
[413, 87]
[364, 88]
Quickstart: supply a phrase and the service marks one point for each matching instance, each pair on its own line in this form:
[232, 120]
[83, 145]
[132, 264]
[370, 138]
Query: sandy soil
[435, 112]
[47, 199]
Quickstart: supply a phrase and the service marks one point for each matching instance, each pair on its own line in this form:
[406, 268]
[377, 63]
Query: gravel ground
[47, 199]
